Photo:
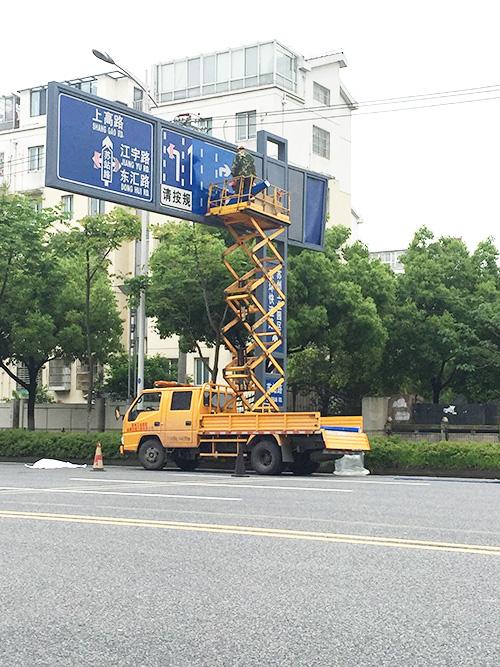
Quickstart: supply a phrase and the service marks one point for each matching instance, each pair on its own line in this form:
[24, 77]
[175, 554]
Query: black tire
[152, 455]
[303, 465]
[186, 464]
[266, 458]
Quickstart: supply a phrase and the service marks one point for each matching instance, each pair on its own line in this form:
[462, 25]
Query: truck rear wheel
[303, 465]
[186, 464]
[152, 454]
[266, 458]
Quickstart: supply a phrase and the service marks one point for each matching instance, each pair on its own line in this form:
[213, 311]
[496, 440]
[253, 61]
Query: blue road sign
[188, 166]
[106, 149]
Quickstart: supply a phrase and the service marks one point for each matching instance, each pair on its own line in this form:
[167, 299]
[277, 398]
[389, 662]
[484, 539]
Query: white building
[235, 93]
[390, 257]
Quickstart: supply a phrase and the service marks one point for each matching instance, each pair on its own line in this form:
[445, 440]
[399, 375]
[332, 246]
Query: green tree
[156, 367]
[338, 303]
[37, 305]
[445, 334]
[186, 288]
[89, 244]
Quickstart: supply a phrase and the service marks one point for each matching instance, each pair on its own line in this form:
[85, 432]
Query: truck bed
[287, 423]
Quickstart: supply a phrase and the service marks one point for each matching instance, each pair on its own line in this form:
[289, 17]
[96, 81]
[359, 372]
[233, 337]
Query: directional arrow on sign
[174, 154]
[223, 172]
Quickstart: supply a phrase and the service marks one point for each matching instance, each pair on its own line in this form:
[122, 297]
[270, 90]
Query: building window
[321, 142]
[23, 374]
[35, 158]
[9, 112]
[286, 69]
[138, 99]
[235, 69]
[67, 205]
[201, 372]
[321, 94]
[59, 375]
[205, 125]
[38, 102]
[246, 125]
[96, 206]
[87, 86]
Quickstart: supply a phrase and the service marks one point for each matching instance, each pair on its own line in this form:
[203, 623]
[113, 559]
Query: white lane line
[200, 475]
[370, 481]
[159, 480]
[124, 493]
[242, 485]
[262, 486]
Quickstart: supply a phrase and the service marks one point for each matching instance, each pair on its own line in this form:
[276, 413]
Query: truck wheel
[186, 464]
[152, 455]
[266, 458]
[303, 465]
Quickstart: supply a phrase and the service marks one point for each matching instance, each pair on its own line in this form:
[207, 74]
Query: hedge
[394, 454]
[63, 446]
[388, 454]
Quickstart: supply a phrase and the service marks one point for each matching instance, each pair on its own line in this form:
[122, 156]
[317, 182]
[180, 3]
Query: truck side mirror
[118, 414]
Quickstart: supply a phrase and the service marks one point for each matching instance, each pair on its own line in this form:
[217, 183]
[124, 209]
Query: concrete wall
[374, 411]
[6, 415]
[64, 416]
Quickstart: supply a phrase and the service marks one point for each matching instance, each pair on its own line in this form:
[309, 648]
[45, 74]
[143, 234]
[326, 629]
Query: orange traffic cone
[98, 464]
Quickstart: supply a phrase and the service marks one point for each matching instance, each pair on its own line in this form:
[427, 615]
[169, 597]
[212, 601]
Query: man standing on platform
[243, 171]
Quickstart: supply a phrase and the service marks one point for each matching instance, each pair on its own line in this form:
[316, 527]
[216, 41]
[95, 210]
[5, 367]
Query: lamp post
[143, 266]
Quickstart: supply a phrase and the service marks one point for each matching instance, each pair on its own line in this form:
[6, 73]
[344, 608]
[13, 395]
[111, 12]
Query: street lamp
[102, 55]
[143, 267]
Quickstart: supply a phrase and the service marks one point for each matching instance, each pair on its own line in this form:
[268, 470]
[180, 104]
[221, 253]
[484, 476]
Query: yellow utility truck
[190, 423]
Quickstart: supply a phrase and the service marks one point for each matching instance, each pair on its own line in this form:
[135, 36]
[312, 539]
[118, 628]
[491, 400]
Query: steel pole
[141, 310]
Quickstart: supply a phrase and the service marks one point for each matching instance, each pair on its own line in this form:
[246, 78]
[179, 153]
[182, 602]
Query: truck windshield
[149, 402]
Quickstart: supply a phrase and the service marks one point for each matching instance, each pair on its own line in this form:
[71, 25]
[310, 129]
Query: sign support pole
[141, 311]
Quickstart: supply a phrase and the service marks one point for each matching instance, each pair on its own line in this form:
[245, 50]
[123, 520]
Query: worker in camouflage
[243, 164]
[242, 171]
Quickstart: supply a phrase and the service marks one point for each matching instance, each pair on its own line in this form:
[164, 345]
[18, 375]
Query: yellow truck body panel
[260, 422]
[341, 440]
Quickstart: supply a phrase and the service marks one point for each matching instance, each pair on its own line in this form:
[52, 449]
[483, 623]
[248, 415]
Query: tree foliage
[446, 335]
[49, 308]
[36, 302]
[185, 294]
[89, 244]
[156, 367]
[338, 303]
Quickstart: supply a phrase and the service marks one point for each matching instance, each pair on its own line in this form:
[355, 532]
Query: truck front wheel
[266, 458]
[152, 454]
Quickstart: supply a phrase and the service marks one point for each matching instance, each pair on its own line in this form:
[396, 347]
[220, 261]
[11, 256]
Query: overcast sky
[437, 166]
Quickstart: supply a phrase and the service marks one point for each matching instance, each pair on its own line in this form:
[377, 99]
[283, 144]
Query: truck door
[144, 417]
[181, 420]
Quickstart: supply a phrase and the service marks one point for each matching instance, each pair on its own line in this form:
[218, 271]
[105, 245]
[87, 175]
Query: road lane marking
[244, 485]
[317, 479]
[232, 485]
[100, 492]
[255, 531]
[266, 517]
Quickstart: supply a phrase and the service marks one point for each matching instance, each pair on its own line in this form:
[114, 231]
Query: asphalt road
[127, 567]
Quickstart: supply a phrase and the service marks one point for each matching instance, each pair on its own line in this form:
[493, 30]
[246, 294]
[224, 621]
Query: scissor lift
[256, 215]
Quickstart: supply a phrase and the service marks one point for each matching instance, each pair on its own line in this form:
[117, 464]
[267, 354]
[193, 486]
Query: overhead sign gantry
[108, 151]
